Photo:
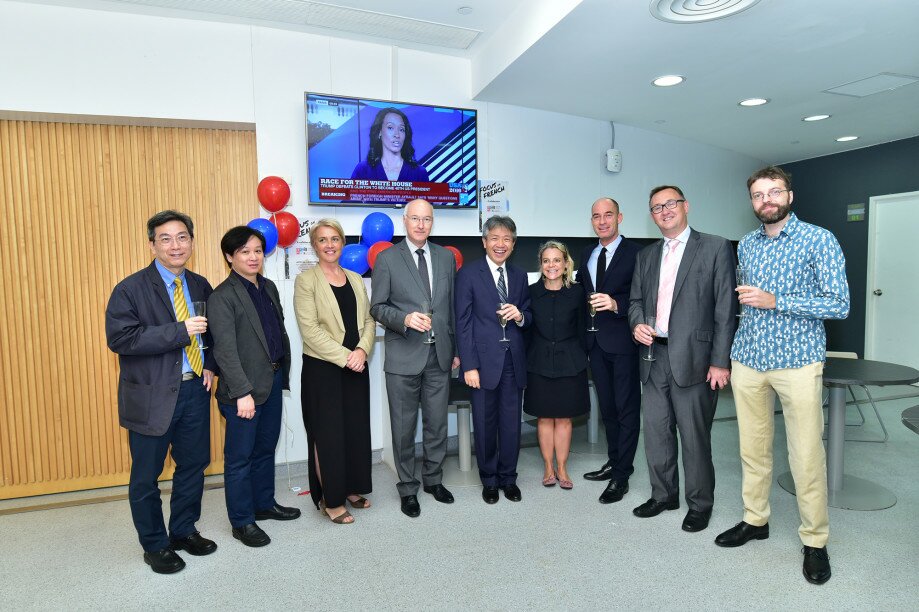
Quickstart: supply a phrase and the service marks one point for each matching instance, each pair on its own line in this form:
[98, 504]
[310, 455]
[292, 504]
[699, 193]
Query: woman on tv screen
[391, 156]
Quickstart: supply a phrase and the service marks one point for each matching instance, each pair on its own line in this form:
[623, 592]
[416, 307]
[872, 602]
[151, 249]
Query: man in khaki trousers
[795, 278]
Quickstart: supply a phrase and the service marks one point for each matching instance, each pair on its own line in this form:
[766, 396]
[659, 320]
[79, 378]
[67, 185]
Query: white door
[892, 306]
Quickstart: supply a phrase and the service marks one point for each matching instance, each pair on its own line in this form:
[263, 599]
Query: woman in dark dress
[333, 314]
[556, 359]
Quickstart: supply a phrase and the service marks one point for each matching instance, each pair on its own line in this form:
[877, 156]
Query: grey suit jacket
[703, 312]
[240, 346]
[141, 326]
[396, 290]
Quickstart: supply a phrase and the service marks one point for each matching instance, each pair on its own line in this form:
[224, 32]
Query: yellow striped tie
[192, 350]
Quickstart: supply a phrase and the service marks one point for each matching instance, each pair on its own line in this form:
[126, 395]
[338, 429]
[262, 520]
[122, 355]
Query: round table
[846, 491]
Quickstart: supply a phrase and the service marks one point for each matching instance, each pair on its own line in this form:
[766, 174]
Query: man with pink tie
[686, 282]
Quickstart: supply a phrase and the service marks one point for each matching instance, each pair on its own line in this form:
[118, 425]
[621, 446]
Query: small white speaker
[613, 160]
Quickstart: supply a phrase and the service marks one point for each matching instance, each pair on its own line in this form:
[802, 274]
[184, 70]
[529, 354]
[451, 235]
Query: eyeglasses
[669, 205]
[773, 193]
[181, 239]
[422, 220]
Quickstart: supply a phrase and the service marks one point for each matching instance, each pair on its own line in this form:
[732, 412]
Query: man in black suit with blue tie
[492, 359]
[606, 273]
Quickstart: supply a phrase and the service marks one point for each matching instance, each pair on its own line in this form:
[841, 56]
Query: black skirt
[556, 398]
[336, 413]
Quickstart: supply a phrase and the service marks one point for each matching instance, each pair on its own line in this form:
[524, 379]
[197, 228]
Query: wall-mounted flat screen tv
[381, 153]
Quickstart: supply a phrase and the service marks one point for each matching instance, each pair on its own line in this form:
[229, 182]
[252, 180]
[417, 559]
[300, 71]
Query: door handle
[878, 292]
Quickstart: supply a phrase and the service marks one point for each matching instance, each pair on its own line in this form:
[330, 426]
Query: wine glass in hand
[593, 312]
[200, 311]
[429, 312]
[502, 321]
[649, 355]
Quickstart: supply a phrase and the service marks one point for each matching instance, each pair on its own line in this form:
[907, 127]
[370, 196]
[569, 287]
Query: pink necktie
[665, 289]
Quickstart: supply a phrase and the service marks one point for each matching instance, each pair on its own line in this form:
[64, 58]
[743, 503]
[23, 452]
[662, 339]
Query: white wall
[75, 61]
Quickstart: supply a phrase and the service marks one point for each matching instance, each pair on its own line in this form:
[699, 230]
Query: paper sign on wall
[495, 199]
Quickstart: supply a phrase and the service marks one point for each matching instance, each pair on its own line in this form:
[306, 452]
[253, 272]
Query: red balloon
[375, 249]
[457, 255]
[288, 228]
[273, 193]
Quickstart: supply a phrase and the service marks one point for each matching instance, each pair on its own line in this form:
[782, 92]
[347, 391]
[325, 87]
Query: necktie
[502, 286]
[423, 271]
[665, 289]
[192, 350]
[601, 269]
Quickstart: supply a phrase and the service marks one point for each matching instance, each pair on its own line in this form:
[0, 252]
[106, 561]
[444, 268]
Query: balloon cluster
[282, 229]
[376, 236]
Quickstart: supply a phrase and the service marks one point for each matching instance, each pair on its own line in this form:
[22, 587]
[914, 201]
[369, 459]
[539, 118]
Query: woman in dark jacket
[253, 353]
[556, 359]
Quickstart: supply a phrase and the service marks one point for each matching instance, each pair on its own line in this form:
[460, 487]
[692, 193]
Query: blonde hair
[327, 222]
[568, 274]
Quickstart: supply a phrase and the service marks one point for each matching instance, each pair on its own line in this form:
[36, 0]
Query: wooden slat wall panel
[75, 200]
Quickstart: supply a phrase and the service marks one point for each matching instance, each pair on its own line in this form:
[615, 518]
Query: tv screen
[378, 153]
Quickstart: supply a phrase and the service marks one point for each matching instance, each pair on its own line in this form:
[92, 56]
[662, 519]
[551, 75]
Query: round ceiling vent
[694, 11]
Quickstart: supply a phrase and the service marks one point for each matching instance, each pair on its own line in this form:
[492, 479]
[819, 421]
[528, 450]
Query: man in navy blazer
[492, 359]
[606, 273]
[164, 389]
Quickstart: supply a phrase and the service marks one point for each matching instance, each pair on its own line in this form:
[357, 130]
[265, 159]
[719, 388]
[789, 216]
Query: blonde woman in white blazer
[333, 314]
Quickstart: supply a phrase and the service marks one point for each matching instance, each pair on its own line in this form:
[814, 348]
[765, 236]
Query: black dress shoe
[440, 493]
[696, 520]
[512, 492]
[741, 533]
[614, 491]
[816, 564]
[490, 495]
[164, 561]
[410, 506]
[604, 473]
[652, 507]
[194, 544]
[251, 535]
[278, 513]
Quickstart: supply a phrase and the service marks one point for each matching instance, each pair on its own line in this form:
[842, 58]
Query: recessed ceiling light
[846, 138]
[464, 10]
[668, 80]
[753, 102]
[815, 118]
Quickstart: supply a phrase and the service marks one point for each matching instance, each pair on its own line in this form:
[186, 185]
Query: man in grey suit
[412, 297]
[686, 283]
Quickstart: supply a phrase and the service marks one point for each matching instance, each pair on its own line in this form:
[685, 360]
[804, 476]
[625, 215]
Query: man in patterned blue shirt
[796, 279]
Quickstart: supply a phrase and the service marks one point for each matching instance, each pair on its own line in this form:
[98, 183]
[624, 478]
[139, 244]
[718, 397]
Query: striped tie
[502, 287]
[191, 351]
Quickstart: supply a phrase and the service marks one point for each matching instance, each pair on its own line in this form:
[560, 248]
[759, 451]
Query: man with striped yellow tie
[164, 389]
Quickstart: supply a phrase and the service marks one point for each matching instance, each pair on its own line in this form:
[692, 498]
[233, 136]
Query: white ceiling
[598, 61]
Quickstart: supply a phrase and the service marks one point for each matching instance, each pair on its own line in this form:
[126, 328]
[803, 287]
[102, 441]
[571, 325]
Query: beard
[780, 213]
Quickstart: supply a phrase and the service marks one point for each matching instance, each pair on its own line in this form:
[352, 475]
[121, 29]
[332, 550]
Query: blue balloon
[268, 230]
[354, 258]
[377, 227]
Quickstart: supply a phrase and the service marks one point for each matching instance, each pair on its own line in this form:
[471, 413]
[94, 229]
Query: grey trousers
[429, 391]
[668, 408]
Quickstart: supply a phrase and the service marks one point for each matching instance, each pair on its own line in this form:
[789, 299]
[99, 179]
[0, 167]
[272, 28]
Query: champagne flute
[650, 322]
[593, 312]
[429, 312]
[503, 322]
[200, 311]
[743, 278]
